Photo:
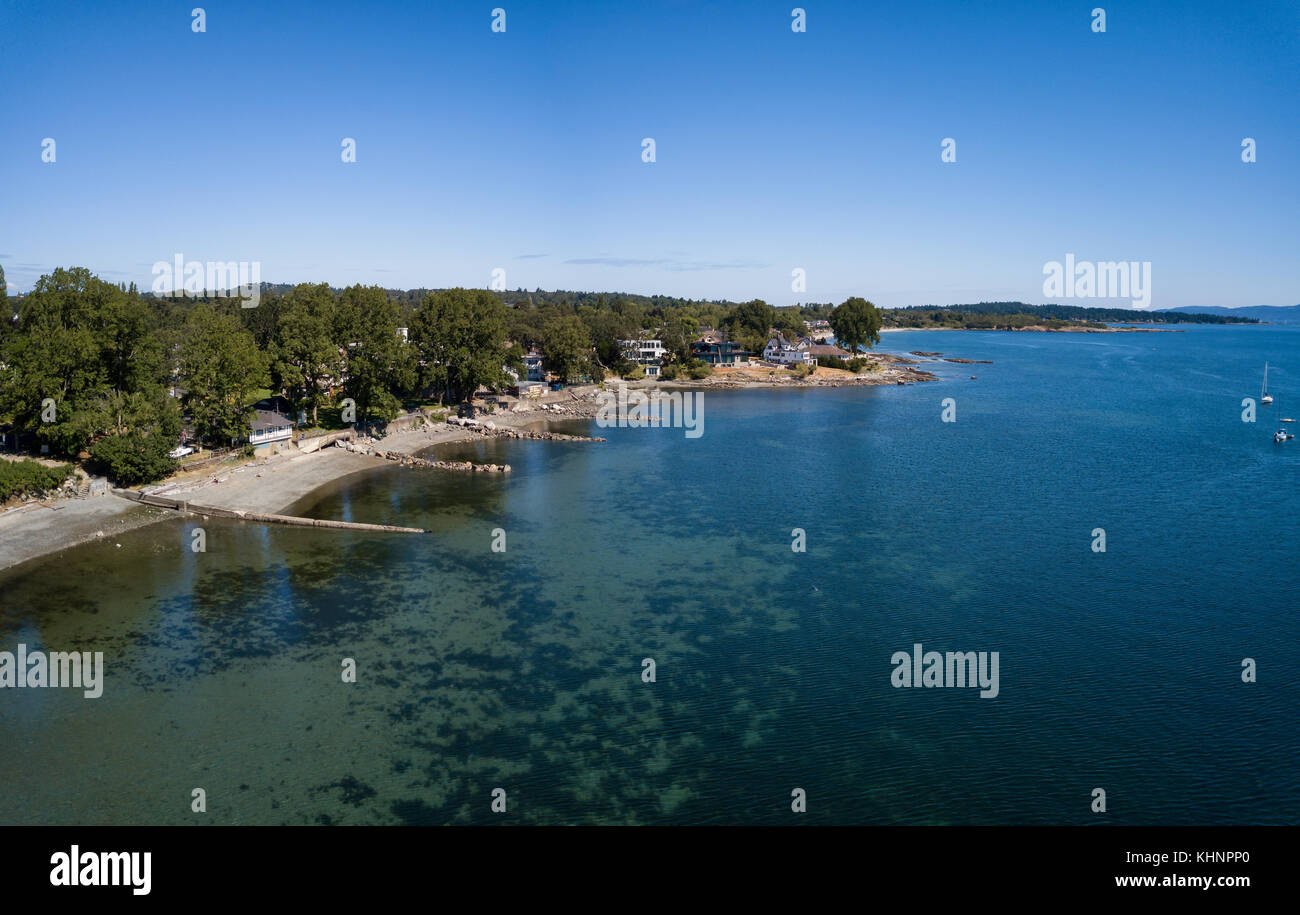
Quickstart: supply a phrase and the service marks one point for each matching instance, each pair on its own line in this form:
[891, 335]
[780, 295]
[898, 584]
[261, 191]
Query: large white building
[783, 352]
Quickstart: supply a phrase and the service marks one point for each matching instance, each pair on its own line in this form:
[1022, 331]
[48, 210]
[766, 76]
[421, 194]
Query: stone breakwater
[541, 436]
[491, 429]
[407, 460]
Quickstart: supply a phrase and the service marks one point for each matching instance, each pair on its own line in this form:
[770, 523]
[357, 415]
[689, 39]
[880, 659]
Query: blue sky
[774, 150]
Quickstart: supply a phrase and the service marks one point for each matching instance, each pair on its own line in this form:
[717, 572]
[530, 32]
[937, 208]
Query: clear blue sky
[775, 150]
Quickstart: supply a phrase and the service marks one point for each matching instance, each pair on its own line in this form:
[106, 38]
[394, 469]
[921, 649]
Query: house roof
[270, 419]
[825, 349]
[274, 404]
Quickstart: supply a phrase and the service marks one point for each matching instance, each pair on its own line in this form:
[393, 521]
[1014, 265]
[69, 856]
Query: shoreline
[277, 483]
[270, 485]
[1043, 329]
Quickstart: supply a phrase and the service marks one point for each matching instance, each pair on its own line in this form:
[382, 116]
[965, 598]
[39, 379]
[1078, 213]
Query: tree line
[104, 373]
[954, 315]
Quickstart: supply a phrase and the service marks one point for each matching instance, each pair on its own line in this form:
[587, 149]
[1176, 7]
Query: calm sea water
[522, 670]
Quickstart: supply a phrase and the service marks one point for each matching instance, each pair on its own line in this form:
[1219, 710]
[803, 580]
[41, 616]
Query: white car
[180, 451]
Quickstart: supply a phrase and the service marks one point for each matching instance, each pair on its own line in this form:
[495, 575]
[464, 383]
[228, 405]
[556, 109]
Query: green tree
[142, 429]
[856, 322]
[379, 366]
[305, 356]
[131, 350]
[6, 313]
[788, 321]
[566, 347]
[221, 368]
[750, 323]
[53, 367]
[264, 320]
[460, 334]
[606, 327]
[678, 332]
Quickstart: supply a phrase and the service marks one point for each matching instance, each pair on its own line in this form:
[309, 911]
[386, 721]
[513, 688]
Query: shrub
[19, 478]
[134, 457]
[695, 369]
[698, 368]
[853, 365]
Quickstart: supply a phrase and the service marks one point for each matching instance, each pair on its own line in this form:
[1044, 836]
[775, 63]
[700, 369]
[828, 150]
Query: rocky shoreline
[366, 446]
[489, 428]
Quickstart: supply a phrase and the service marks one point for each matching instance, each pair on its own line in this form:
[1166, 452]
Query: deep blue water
[522, 670]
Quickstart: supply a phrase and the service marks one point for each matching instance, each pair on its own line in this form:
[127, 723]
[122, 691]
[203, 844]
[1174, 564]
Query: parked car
[180, 451]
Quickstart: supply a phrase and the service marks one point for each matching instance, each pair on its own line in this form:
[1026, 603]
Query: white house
[646, 353]
[269, 427]
[643, 352]
[533, 367]
[782, 351]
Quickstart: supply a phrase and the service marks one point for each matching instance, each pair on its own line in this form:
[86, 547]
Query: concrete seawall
[186, 507]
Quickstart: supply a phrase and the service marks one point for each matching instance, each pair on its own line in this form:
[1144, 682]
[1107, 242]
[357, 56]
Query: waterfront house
[783, 352]
[533, 367]
[819, 330]
[719, 352]
[825, 349]
[649, 354]
[270, 427]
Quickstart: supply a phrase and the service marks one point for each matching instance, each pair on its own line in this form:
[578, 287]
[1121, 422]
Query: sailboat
[1266, 397]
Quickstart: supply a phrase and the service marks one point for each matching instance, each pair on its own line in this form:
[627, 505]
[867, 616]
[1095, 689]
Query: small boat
[1265, 397]
[1281, 435]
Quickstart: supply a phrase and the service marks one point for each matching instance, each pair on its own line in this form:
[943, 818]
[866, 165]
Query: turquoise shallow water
[522, 670]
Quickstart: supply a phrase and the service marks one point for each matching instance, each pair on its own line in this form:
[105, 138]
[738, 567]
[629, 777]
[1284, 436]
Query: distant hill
[1096, 315]
[1274, 314]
